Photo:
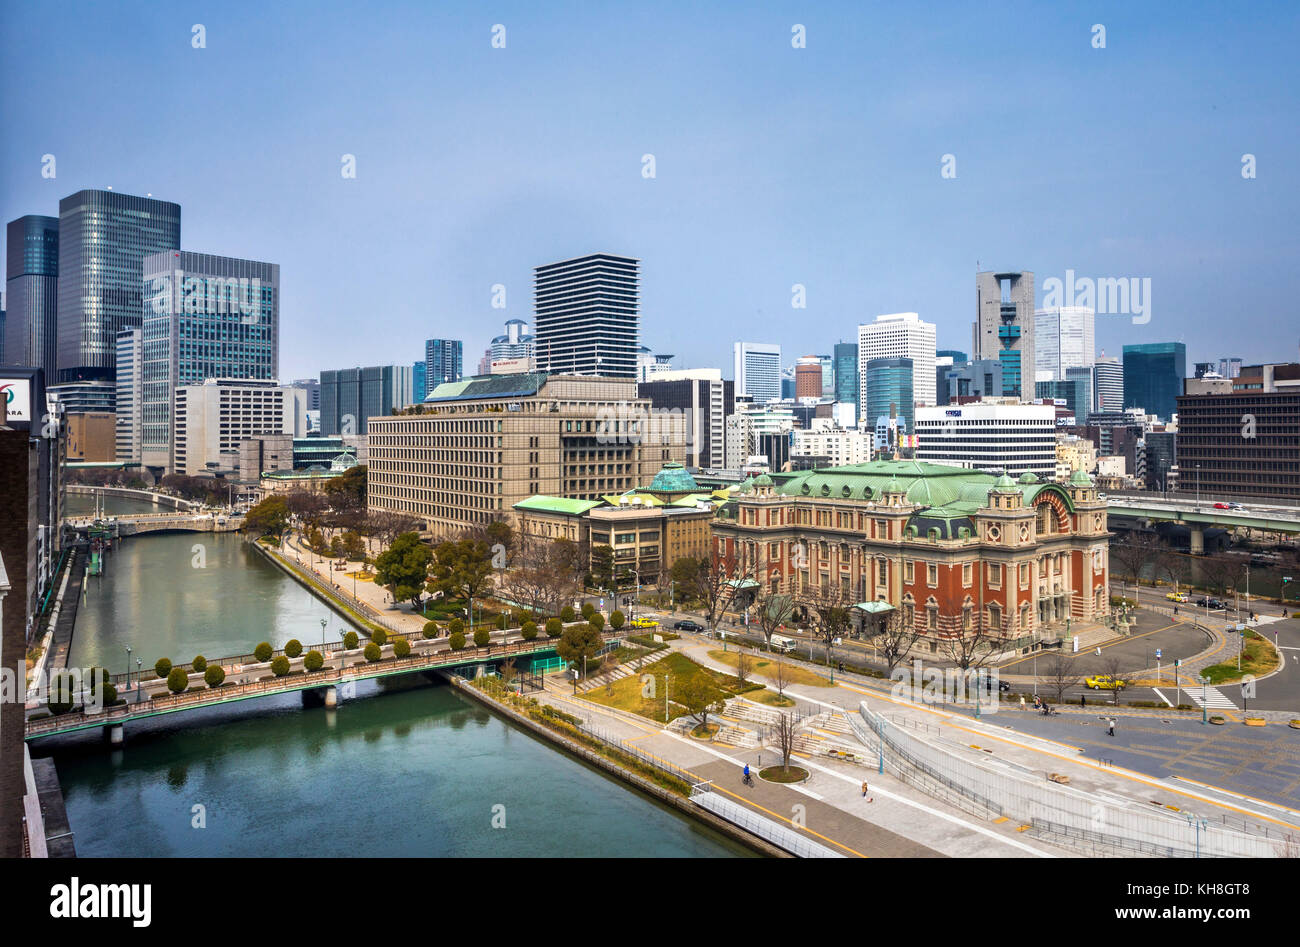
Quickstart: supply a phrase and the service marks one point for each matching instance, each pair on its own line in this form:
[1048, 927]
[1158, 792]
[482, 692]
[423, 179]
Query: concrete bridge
[157, 499]
[1145, 511]
[150, 698]
[134, 525]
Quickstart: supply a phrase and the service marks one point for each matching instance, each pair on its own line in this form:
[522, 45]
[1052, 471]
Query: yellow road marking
[999, 820]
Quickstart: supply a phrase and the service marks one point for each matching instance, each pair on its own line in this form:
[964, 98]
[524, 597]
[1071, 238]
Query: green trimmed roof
[522, 385]
[673, 478]
[545, 504]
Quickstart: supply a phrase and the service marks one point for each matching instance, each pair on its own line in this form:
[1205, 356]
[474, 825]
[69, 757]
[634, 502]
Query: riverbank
[333, 597]
[657, 792]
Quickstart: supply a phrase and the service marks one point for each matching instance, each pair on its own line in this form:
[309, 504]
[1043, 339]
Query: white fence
[783, 838]
[1090, 820]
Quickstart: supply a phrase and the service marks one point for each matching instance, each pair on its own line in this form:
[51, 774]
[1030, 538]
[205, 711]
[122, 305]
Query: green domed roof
[1028, 477]
[893, 486]
[1004, 483]
[762, 480]
[1080, 479]
[673, 478]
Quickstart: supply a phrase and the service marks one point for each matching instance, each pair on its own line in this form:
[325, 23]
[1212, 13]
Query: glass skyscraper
[889, 382]
[350, 396]
[442, 362]
[205, 316]
[103, 240]
[846, 373]
[419, 383]
[588, 316]
[32, 293]
[1153, 377]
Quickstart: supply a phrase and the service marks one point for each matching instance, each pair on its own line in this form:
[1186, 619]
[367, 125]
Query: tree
[828, 612]
[292, 647]
[780, 675]
[350, 641]
[1061, 674]
[403, 568]
[683, 575]
[162, 667]
[894, 640]
[177, 680]
[772, 610]
[456, 626]
[616, 619]
[701, 698]
[567, 614]
[348, 489]
[742, 664]
[718, 583]
[215, 675]
[270, 517]
[456, 641]
[462, 569]
[554, 627]
[401, 647]
[579, 642]
[597, 621]
[279, 665]
[430, 629]
[354, 547]
[263, 651]
[587, 611]
[199, 664]
[529, 630]
[1134, 552]
[783, 731]
[481, 637]
[379, 636]
[336, 547]
[373, 652]
[602, 567]
[975, 649]
[543, 574]
[501, 622]
[314, 661]
[1110, 667]
[308, 506]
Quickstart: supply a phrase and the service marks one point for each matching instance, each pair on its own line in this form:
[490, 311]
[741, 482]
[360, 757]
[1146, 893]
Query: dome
[762, 480]
[1080, 479]
[674, 478]
[1004, 483]
[1028, 477]
[893, 486]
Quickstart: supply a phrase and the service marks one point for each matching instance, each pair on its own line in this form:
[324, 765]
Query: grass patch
[766, 665]
[670, 673]
[779, 774]
[705, 733]
[771, 698]
[1259, 658]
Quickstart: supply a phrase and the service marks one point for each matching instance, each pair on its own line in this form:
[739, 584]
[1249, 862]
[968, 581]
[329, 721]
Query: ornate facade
[956, 551]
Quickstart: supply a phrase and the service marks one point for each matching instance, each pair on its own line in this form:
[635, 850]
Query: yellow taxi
[1177, 596]
[1105, 682]
[644, 623]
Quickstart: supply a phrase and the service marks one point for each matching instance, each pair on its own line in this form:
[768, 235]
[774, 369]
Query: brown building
[477, 447]
[92, 437]
[808, 377]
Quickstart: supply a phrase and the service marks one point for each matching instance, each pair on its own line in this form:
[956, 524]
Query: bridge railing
[289, 682]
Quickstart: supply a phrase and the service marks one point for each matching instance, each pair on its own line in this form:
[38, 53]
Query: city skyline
[1176, 212]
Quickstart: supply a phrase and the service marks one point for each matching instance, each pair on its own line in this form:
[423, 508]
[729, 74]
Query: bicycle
[747, 779]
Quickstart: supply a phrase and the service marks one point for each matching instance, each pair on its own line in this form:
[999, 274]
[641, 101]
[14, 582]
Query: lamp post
[128, 668]
[139, 665]
[323, 623]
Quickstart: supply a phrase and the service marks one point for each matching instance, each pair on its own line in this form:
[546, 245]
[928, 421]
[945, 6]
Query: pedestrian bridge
[151, 698]
[135, 524]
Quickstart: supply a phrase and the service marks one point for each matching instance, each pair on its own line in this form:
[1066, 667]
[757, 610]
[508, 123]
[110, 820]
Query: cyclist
[746, 779]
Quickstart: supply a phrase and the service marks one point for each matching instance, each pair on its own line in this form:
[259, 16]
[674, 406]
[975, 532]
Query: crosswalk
[1215, 699]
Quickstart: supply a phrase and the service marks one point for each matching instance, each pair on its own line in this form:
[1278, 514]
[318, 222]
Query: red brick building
[956, 551]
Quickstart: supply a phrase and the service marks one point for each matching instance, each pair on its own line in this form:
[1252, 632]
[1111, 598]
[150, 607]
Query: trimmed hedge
[597, 621]
[293, 647]
[430, 629]
[379, 636]
[199, 664]
[214, 675]
[263, 651]
[616, 619]
[567, 614]
[501, 621]
[401, 647]
[279, 665]
[314, 660]
[350, 641]
[555, 626]
[177, 680]
[457, 640]
[481, 638]
[456, 626]
[529, 630]
[373, 652]
[163, 666]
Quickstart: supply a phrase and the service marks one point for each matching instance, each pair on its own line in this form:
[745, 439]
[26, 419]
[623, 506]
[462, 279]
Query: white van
[783, 644]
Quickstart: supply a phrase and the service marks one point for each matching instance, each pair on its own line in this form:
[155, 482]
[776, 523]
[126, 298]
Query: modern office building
[419, 381]
[1230, 367]
[706, 400]
[442, 362]
[889, 390]
[349, 396]
[1243, 443]
[205, 316]
[990, 435]
[32, 293]
[588, 316]
[1108, 385]
[808, 377]
[828, 376]
[1153, 377]
[1004, 328]
[477, 447]
[979, 379]
[1161, 458]
[750, 424]
[833, 446]
[516, 342]
[898, 335]
[130, 396]
[756, 368]
[78, 397]
[104, 238]
[958, 358]
[650, 365]
[1073, 391]
[1064, 338]
[214, 418]
[312, 387]
[957, 553]
[847, 385]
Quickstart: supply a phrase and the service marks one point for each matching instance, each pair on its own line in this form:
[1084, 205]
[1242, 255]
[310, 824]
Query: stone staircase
[623, 670]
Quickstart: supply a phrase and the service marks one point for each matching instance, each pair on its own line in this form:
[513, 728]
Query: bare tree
[1134, 552]
[718, 582]
[783, 731]
[742, 664]
[780, 675]
[894, 640]
[976, 649]
[772, 610]
[1110, 667]
[828, 611]
[1061, 674]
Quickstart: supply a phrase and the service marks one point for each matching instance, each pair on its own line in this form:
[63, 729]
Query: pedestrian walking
[1022, 701]
[864, 788]
[1110, 726]
[1083, 700]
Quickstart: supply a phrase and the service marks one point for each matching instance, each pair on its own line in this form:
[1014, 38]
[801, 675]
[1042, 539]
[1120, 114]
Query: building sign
[18, 398]
[953, 413]
[510, 366]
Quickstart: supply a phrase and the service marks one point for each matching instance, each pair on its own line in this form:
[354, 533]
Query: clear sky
[774, 165]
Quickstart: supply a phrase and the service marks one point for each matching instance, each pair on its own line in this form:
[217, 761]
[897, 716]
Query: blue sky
[774, 165]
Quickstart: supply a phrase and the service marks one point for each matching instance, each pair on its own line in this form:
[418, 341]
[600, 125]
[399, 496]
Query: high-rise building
[32, 293]
[1230, 367]
[588, 316]
[104, 238]
[705, 400]
[1004, 328]
[1201, 369]
[516, 342]
[958, 358]
[991, 436]
[757, 370]
[1108, 385]
[808, 377]
[419, 381]
[349, 396]
[130, 394]
[205, 316]
[650, 365]
[1064, 338]
[899, 335]
[312, 387]
[889, 390]
[847, 387]
[442, 362]
[1074, 391]
[828, 376]
[1153, 377]
[213, 419]
[981, 378]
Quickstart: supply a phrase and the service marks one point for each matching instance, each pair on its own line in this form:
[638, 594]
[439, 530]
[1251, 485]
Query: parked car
[687, 625]
[1104, 682]
[1177, 596]
[1211, 603]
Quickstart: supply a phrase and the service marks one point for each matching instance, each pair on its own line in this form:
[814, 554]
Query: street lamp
[323, 623]
[139, 664]
[128, 668]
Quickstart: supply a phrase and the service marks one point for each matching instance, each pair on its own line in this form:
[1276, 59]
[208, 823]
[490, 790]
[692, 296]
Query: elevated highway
[1147, 510]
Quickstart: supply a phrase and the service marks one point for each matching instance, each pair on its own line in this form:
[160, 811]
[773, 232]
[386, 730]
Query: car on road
[1104, 682]
[644, 623]
[1235, 506]
[1211, 603]
[1222, 506]
[687, 625]
[1177, 596]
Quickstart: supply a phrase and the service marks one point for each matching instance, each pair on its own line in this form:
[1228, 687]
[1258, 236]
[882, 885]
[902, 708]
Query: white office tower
[757, 370]
[990, 435]
[1108, 385]
[1063, 339]
[212, 419]
[899, 335]
[130, 390]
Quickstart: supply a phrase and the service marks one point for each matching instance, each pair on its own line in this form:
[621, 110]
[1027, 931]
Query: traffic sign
[1158, 654]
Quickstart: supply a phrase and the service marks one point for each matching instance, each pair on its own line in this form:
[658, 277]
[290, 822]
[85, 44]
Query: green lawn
[766, 665]
[1258, 659]
[669, 673]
